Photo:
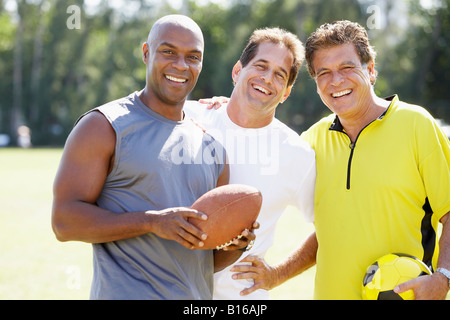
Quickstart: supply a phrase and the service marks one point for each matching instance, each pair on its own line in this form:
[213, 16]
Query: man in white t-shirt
[265, 153]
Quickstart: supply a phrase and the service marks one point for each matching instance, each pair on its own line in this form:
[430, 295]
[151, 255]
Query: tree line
[59, 59]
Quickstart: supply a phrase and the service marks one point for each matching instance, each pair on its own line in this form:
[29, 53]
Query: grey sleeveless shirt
[159, 164]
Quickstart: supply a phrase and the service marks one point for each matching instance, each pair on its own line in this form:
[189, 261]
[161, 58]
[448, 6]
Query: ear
[145, 52]
[236, 71]
[372, 71]
[286, 94]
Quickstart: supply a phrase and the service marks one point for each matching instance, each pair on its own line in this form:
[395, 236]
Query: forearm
[435, 286]
[299, 261]
[223, 259]
[81, 221]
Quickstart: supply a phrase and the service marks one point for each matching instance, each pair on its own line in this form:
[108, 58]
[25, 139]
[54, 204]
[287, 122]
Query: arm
[268, 277]
[87, 160]
[435, 286]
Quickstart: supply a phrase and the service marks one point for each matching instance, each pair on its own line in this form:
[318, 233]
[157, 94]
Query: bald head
[174, 20]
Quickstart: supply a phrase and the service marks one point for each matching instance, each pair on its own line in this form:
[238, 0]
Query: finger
[241, 267]
[233, 247]
[248, 235]
[210, 103]
[184, 242]
[405, 286]
[191, 232]
[250, 290]
[205, 101]
[252, 259]
[237, 244]
[245, 276]
[195, 214]
[216, 105]
[191, 239]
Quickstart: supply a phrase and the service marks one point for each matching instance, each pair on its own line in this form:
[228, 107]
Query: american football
[230, 209]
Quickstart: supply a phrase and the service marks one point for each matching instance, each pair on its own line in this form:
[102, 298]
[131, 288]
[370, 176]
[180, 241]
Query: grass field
[34, 265]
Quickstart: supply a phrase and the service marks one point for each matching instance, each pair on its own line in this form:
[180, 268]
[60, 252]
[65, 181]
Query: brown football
[230, 209]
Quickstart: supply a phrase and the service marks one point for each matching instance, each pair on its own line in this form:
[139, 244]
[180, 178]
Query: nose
[267, 77]
[180, 63]
[337, 79]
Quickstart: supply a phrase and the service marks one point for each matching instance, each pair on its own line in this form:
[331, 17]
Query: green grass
[34, 265]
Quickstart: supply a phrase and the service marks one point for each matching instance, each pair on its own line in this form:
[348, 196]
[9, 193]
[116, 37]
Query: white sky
[10, 5]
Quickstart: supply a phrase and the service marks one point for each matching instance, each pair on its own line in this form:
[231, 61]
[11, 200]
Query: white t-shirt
[272, 159]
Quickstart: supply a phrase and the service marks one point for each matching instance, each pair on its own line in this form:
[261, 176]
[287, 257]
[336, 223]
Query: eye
[323, 73]
[347, 68]
[167, 52]
[195, 57]
[280, 75]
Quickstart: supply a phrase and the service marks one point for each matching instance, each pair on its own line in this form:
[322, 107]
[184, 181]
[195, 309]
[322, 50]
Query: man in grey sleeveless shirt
[131, 169]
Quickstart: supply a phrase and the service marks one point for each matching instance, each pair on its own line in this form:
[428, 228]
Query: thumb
[405, 286]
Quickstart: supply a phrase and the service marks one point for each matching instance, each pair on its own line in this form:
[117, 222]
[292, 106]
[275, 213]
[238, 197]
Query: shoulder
[194, 109]
[322, 125]
[118, 108]
[113, 109]
[414, 117]
[318, 129]
[291, 140]
[94, 129]
[412, 110]
[417, 118]
[200, 113]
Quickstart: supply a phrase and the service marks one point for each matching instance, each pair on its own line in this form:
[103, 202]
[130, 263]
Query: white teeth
[176, 79]
[261, 89]
[342, 93]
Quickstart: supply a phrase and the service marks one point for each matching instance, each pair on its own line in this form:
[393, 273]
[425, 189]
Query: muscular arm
[85, 164]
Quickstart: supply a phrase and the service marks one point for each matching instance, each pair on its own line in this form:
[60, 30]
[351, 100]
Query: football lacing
[230, 242]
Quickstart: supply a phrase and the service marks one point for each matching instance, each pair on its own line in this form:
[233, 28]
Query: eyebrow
[168, 44]
[265, 61]
[348, 62]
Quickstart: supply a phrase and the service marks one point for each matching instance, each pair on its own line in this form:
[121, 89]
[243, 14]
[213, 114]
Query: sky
[10, 5]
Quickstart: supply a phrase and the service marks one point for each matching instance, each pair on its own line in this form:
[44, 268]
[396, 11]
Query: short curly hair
[338, 33]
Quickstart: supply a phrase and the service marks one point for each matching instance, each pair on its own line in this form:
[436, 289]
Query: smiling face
[263, 83]
[173, 56]
[343, 82]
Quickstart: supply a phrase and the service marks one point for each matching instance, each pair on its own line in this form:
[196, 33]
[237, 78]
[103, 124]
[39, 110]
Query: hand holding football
[230, 209]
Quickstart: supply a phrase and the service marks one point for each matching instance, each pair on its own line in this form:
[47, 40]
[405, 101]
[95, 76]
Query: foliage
[51, 73]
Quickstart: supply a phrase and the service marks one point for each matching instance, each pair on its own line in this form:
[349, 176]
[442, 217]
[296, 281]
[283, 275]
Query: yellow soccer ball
[387, 272]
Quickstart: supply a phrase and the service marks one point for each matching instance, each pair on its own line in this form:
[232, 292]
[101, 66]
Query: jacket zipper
[352, 146]
[352, 149]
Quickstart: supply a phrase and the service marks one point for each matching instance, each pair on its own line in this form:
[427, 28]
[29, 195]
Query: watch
[445, 272]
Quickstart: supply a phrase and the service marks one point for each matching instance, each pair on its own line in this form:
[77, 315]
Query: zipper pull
[352, 145]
